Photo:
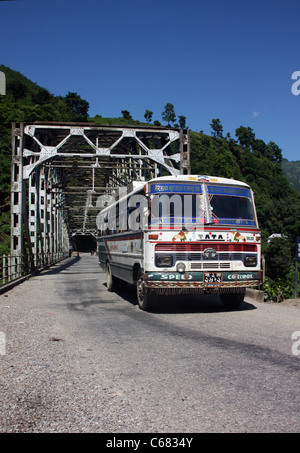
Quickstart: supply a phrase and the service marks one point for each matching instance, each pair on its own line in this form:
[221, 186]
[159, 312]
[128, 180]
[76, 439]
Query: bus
[179, 235]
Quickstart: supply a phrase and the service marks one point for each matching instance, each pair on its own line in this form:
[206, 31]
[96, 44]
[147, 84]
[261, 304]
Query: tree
[275, 153]
[148, 116]
[79, 107]
[182, 121]
[278, 257]
[168, 114]
[17, 88]
[245, 136]
[217, 128]
[259, 147]
[41, 96]
[126, 115]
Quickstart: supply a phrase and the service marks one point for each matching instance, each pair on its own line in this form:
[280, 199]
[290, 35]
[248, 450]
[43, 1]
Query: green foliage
[26, 101]
[168, 115]
[278, 205]
[277, 255]
[126, 115]
[182, 121]
[77, 106]
[98, 119]
[212, 157]
[277, 291]
[217, 128]
[245, 136]
[247, 141]
[148, 116]
[292, 173]
[247, 159]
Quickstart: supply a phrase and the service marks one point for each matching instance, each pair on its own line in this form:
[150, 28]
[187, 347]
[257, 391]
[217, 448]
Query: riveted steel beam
[59, 170]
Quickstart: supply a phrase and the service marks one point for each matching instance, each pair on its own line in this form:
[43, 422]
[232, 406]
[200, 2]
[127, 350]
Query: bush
[277, 291]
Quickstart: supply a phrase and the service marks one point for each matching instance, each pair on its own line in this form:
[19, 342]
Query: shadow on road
[184, 304]
[59, 267]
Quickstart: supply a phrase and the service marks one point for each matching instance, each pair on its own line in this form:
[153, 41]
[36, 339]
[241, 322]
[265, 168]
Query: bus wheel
[143, 295]
[233, 300]
[110, 280]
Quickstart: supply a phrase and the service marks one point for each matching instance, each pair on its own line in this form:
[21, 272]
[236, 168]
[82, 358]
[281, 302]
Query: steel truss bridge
[59, 170]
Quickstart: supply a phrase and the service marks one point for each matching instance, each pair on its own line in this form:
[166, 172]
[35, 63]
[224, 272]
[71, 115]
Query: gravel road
[76, 358]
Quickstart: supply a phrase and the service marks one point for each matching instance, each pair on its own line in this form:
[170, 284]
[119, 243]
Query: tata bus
[179, 235]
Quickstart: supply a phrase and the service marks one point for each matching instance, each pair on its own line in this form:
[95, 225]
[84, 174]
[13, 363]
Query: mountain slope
[248, 159]
[292, 173]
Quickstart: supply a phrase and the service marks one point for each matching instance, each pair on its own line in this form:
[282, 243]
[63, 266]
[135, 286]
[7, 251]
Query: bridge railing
[15, 267]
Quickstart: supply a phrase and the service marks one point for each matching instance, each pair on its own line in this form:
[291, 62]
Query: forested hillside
[243, 157]
[26, 101]
[292, 172]
[278, 205]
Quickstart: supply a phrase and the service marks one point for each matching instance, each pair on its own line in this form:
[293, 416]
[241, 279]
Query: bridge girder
[60, 169]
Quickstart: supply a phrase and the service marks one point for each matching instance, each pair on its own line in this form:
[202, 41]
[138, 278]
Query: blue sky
[231, 60]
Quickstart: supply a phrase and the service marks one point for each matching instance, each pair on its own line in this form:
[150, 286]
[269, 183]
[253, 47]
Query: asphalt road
[76, 358]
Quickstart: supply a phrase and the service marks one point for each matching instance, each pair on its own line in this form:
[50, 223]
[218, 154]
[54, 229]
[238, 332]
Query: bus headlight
[180, 267]
[164, 261]
[250, 261]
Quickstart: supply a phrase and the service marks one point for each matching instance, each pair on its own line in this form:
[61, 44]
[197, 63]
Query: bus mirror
[146, 193]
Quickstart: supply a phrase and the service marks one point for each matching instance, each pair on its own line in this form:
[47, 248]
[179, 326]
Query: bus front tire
[143, 294]
[110, 280]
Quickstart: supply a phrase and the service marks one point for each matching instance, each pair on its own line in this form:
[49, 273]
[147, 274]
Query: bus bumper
[202, 282]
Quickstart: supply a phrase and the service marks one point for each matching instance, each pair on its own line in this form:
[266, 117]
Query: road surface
[77, 358]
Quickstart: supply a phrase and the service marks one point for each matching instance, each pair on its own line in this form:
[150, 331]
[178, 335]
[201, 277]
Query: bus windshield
[190, 205]
[177, 204]
[231, 205]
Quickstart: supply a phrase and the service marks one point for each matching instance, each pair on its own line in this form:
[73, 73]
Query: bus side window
[134, 221]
